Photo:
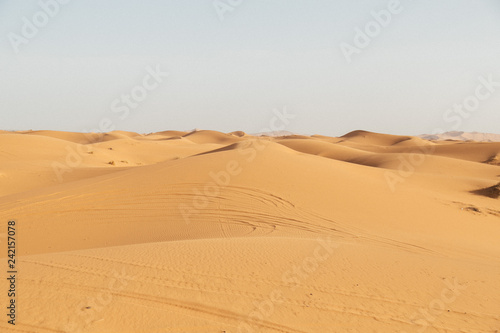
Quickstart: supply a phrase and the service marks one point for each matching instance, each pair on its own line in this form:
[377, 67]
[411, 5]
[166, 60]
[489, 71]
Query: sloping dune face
[211, 232]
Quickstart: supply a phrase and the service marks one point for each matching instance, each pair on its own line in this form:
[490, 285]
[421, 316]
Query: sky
[398, 67]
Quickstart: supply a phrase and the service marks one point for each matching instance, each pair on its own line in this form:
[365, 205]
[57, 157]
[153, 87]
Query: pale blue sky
[266, 54]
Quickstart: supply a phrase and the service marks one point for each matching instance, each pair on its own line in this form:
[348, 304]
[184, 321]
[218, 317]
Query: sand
[211, 232]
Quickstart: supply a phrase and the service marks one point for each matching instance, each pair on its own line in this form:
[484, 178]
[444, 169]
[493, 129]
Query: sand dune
[205, 231]
[170, 133]
[211, 137]
[374, 138]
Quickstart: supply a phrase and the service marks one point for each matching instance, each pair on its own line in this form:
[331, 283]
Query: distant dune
[203, 231]
[463, 136]
[273, 133]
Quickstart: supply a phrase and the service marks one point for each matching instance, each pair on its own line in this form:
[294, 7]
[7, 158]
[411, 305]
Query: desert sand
[227, 232]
